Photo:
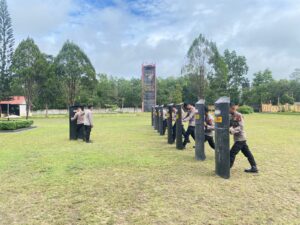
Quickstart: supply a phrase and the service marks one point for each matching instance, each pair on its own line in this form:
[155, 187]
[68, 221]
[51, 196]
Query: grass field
[130, 175]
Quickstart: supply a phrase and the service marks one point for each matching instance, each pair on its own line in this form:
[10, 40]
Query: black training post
[199, 131]
[170, 123]
[179, 127]
[222, 153]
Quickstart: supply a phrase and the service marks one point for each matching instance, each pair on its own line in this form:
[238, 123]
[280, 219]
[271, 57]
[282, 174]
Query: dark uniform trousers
[210, 141]
[165, 124]
[79, 131]
[174, 131]
[190, 131]
[88, 130]
[241, 146]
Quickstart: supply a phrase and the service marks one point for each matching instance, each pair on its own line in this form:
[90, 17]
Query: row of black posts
[222, 140]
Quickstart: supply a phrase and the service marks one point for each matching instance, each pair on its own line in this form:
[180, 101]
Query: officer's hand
[231, 130]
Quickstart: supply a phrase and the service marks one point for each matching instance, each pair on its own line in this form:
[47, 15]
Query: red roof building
[15, 100]
[15, 106]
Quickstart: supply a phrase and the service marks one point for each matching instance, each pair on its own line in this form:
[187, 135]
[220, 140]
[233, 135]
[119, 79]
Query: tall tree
[218, 78]
[261, 87]
[6, 50]
[199, 64]
[48, 86]
[107, 90]
[296, 75]
[75, 71]
[237, 70]
[27, 65]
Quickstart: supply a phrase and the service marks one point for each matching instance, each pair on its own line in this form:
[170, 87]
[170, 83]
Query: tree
[237, 70]
[296, 75]
[261, 87]
[48, 85]
[6, 50]
[107, 90]
[27, 65]
[199, 64]
[169, 90]
[76, 72]
[218, 78]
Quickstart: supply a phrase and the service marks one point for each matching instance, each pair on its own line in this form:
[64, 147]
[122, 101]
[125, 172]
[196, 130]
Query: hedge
[245, 109]
[15, 124]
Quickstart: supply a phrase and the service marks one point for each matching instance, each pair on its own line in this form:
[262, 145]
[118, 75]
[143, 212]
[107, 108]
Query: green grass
[130, 175]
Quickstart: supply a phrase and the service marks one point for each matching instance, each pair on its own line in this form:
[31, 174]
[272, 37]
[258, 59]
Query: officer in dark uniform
[165, 122]
[209, 128]
[240, 141]
[174, 126]
[190, 117]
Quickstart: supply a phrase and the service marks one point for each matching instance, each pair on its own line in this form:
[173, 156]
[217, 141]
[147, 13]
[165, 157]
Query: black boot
[253, 169]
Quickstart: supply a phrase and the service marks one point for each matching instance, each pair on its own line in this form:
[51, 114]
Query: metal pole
[222, 153]
[8, 111]
[199, 131]
[179, 127]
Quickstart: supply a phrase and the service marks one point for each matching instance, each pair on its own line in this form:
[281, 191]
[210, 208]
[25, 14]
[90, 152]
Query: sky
[120, 35]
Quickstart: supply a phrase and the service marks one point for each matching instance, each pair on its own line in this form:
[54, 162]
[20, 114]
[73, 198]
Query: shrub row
[245, 109]
[15, 124]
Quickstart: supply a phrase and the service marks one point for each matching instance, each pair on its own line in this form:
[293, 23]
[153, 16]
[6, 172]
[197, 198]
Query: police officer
[174, 118]
[79, 117]
[240, 141]
[209, 128]
[165, 123]
[192, 123]
[88, 123]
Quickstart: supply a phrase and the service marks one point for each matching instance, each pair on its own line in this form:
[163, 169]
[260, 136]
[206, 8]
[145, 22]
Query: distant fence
[280, 108]
[95, 111]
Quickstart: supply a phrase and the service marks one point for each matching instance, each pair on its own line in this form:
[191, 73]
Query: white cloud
[121, 36]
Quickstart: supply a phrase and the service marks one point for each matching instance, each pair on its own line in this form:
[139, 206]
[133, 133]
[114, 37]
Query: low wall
[279, 108]
[95, 111]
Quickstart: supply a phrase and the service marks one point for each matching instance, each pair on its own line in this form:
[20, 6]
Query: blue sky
[120, 35]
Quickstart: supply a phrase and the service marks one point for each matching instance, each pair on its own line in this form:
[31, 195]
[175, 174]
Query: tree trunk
[202, 84]
[27, 110]
[46, 106]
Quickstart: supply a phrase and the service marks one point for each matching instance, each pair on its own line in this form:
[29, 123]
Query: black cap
[206, 109]
[232, 104]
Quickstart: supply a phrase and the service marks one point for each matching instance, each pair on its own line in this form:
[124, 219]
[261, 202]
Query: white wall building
[15, 106]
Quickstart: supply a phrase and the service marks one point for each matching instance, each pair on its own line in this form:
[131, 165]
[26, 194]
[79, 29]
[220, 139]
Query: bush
[245, 109]
[8, 125]
[15, 124]
[23, 123]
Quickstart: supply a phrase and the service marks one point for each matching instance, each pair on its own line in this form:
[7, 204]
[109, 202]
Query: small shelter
[15, 106]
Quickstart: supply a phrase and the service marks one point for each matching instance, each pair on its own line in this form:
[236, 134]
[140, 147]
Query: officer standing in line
[209, 128]
[88, 123]
[174, 119]
[192, 123]
[240, 141]
[165, 123]
[79, 117]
